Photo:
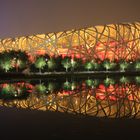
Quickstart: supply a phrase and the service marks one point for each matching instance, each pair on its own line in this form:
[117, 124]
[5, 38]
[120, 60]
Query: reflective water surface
[100, 97]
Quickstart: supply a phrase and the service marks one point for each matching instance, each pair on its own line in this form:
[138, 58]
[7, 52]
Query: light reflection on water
[106, 97]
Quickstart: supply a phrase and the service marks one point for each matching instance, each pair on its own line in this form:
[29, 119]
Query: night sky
[27, 17]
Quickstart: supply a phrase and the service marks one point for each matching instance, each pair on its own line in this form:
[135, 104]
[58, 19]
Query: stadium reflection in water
[94, 97]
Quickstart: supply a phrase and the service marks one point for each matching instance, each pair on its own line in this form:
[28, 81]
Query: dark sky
[27, 17]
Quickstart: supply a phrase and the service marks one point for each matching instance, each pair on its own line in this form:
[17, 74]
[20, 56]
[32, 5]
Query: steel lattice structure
[112, 102]
[114, 41]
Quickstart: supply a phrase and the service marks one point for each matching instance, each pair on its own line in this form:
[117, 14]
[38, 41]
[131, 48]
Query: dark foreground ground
[27, 124]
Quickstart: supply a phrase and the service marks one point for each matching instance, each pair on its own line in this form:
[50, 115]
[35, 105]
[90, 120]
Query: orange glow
[113, 41]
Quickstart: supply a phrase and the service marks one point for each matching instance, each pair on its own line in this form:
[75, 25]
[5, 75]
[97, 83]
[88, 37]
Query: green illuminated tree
[52, 65]
[19, 59]
[51, 86]
[137, 65]
[96, 82]
[109, 81]
[73, 85]
[124, 80]
[92, 83]
[5, 61]
[76, 63]
[40, 63]
[123, 65]
[89, 82]
[8, 89]
[67, 85]
[40, 88]
[88, 65]
[96, 66]
[108, 65]
[6, 64]
[66, 62]
[137, 78]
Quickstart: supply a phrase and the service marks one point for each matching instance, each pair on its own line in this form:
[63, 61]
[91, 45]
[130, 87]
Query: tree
[8, 91]
[109, 81]
[51, 86]
[96, 82]
[92, 83]
[20, 59]
[137, 65]
[40, 88]
[58, 60]
[89, 82]
[51, 64]
[14, 90]
[88, 65]
[123, 65]
[8, 88]
[5, 61]
[137, 78]
[95, 64]
[5, 64]
[40, 63]
[75, 63]
[66, 62]
[73, 85]
[67, 85]
[108, 65]
[124, 80]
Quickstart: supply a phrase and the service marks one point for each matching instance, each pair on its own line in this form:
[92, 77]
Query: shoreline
[67, 74]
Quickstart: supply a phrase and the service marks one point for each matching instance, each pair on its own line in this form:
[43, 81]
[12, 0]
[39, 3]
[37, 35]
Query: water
[111, 97]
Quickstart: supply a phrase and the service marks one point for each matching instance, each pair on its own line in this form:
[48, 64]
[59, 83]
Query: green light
[41, 88]
[124, 80]
[51, 86]
[40, 63]
[109, 81]
[67, 85]
[137, 65]
[89, 66]
[51, 64]
[123, 65]
[89, 82]
[137, 78]
[66, 62]
[108, 65]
